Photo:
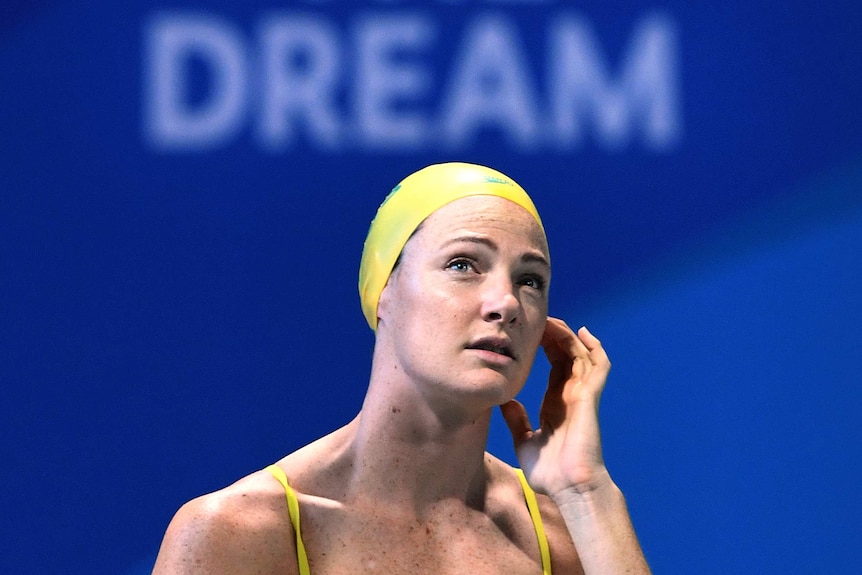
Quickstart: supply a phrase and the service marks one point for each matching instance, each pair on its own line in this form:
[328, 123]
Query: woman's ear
[389, 294]
[385, 299]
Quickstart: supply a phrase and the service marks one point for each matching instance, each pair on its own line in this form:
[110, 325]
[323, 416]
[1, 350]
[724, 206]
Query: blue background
[173, 320]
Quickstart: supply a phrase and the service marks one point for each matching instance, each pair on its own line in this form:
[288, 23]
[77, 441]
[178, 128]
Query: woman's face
[466, 307]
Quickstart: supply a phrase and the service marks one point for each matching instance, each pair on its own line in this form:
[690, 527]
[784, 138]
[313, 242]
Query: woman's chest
[445, 543]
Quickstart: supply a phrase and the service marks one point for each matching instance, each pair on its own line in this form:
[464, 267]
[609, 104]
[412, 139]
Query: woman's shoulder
[243, 528]
[502, 476]
[506, 488]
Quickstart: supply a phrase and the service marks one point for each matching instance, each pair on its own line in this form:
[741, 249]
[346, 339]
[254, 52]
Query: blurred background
[185, 188]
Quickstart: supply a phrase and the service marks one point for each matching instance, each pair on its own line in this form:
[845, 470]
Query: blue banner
[185, 188]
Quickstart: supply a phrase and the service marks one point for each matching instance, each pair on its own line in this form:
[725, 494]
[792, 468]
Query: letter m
[642, 98]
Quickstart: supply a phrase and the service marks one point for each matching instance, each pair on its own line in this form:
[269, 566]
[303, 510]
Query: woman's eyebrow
[472, 240]
[536, 258]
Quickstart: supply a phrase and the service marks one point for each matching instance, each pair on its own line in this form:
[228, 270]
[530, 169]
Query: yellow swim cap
[408, 204]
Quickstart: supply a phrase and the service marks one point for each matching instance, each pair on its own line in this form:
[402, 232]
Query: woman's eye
[534, 282]
[460, 266]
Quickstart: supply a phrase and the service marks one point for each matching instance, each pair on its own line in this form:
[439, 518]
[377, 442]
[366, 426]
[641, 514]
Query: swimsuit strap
[533, 506]
[293, 510]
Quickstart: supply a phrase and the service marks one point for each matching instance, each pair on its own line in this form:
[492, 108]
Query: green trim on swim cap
[408, 204]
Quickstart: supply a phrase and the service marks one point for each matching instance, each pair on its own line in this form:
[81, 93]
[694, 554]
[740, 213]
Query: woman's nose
[499, 301]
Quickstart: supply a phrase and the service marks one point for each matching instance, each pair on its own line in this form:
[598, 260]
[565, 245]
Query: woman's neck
[410, 450]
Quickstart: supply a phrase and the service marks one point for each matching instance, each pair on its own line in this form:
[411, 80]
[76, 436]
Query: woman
[454, 280]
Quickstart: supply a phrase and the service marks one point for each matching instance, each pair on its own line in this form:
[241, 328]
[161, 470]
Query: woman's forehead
[484, 216]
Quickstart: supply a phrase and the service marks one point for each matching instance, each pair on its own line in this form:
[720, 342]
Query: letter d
[171, 122]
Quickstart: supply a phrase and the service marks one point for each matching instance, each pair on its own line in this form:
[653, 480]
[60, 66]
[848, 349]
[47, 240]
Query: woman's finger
[515, 415]
[559, 341]
[594, 347]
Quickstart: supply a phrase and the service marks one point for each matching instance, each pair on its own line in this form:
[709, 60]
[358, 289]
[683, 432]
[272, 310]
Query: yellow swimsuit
[302, 558]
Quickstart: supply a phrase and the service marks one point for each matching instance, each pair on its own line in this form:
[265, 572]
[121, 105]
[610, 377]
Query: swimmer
[454, 280]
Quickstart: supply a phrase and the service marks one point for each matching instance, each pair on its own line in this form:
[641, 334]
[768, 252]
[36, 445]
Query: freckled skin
[406, 486]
